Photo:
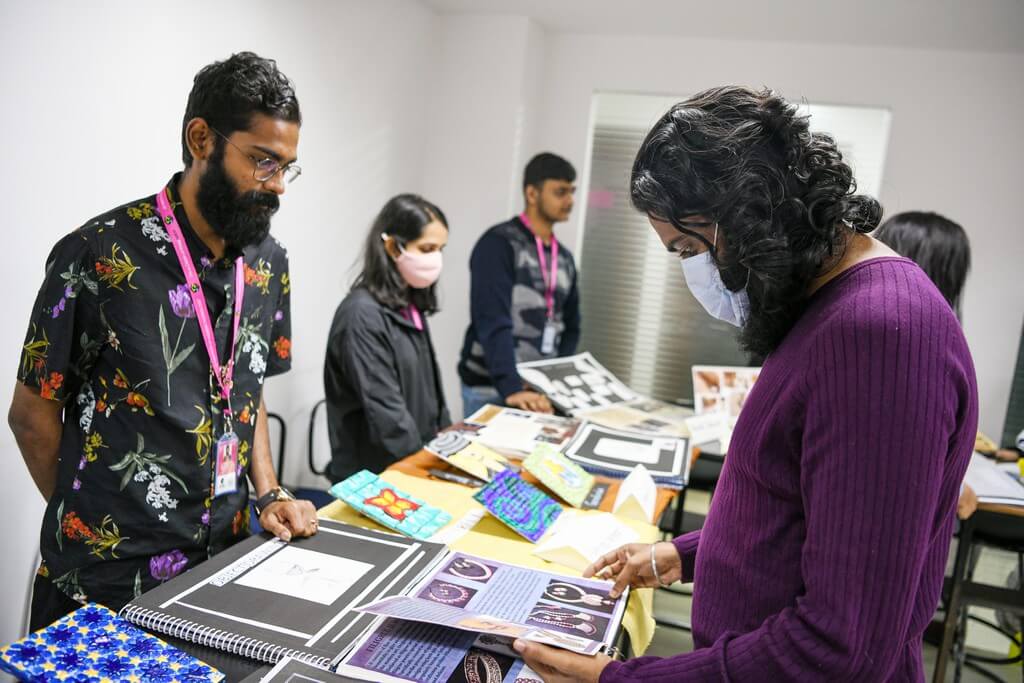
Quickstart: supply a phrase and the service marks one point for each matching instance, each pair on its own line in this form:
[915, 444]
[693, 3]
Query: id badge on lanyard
[226, 470]
[226, 480]
[547, 341]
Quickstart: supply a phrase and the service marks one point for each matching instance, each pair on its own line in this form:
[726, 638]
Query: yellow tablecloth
[490, 538]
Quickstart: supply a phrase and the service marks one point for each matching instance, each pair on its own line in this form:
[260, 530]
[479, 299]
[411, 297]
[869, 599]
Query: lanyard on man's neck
[224, 373]
[550, 283]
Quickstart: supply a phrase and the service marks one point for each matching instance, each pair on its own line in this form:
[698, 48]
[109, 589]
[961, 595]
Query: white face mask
[705, 283]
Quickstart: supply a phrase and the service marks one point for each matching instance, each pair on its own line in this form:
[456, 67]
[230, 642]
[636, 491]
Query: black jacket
[384, 396]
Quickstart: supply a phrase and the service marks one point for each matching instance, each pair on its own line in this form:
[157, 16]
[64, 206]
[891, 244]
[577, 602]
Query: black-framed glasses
[266, 168]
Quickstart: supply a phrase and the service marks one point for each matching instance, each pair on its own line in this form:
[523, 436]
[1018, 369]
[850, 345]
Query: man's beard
[241, 219]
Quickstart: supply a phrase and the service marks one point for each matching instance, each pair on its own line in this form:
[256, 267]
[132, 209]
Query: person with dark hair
[524, 303]
[383, 386]
[941, 248]
[822, 556]
[937, 244]
[139, 404]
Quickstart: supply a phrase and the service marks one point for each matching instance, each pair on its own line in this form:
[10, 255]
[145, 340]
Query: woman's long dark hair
[935, 243]
[403, 217]
[783, 197]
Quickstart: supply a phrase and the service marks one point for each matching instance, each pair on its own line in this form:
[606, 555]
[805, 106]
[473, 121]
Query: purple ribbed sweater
[823, 553]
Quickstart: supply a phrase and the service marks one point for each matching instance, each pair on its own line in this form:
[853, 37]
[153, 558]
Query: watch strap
[272, 496]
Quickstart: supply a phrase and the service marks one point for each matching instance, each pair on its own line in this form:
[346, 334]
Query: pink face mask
[420, 270]
[417, 269]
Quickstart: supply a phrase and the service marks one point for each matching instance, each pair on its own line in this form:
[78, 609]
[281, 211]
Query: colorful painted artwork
[385, 504]
[392, 504]
[569, 481]
[471, 457]
[524, 508]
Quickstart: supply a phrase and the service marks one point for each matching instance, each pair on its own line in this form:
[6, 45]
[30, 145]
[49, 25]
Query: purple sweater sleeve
[686, 546]
[880, 410]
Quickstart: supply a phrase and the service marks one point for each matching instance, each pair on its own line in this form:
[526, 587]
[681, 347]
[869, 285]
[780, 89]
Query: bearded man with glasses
[138, 407]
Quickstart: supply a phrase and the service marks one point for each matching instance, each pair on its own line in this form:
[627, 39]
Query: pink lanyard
[550, 283]
[224, 373]
[412, 314]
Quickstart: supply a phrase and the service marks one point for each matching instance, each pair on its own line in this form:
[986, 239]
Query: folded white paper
[578, 539]
[637, 496]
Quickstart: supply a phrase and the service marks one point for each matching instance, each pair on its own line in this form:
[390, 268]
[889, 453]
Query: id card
[226, 479]
[547, 341]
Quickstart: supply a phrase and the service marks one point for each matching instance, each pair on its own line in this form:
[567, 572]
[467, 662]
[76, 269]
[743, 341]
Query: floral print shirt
[113, 335]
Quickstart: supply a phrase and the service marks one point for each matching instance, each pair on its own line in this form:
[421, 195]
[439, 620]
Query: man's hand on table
[529, 400]
[555, 665]
[288, 519]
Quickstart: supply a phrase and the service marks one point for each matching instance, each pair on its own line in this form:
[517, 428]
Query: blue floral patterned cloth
[92, 644]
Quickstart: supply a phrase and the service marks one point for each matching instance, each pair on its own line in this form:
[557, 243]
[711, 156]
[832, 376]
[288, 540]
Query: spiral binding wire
[674, 483]
[219, 639]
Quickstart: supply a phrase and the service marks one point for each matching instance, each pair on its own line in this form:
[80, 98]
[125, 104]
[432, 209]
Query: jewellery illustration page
[471, 595]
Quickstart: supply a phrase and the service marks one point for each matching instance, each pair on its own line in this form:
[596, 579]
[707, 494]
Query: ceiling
[974, 25]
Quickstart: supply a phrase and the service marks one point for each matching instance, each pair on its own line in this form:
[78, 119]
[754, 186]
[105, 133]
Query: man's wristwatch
[272, 496]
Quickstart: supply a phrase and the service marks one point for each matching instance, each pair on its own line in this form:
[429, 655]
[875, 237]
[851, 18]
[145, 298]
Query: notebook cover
[266, 599]
[385, 504]
[567, 479]
[471, 457]
[521, 506]
[93, 643]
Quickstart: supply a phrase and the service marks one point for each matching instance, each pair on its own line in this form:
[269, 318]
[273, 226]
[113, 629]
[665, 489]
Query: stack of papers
[995, 483]
[517, 432]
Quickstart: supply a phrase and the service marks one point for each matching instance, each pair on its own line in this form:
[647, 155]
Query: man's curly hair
[227, 94]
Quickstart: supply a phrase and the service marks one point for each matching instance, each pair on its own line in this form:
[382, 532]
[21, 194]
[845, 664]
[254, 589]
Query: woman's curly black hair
[782, 196]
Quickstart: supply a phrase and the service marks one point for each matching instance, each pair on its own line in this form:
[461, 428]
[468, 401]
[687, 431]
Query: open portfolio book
[463, 617]
[266, 599]
[377, 606]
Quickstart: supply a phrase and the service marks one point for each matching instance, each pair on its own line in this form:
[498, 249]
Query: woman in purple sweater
[823, 552]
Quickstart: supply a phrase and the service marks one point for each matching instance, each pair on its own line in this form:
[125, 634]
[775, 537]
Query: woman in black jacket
[383, 388]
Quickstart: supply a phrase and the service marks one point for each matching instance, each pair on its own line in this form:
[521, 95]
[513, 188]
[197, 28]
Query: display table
[419, 465]
[490, 538]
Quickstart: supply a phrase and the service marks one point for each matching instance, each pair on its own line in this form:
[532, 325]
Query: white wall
[955, 145]
[482, 120]
[93, 99]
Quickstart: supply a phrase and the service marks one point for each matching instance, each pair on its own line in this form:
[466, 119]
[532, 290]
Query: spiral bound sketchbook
[613, 453]
[266, 599]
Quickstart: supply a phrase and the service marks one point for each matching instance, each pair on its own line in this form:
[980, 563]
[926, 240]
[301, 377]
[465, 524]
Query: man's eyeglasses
[266, 168]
